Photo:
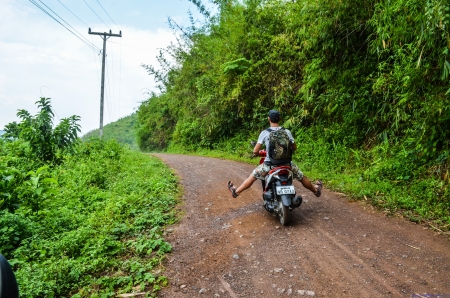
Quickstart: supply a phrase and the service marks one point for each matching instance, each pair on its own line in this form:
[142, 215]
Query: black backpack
[280, 147]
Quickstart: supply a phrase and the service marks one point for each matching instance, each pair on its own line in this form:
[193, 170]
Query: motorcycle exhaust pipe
[269, 208]
[297, 201]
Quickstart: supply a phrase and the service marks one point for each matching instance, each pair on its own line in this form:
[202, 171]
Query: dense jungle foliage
[122, 130]
[363, 85]
[81, 219]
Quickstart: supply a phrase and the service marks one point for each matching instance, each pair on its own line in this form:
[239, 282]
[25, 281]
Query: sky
[41, 58]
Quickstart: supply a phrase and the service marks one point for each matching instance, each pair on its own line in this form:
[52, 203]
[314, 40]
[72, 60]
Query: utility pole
[104, 36]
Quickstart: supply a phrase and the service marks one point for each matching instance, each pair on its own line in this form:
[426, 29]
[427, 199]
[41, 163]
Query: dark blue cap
[274, 116]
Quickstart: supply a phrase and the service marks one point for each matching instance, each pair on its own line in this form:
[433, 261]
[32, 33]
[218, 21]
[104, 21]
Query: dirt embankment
[225, 247]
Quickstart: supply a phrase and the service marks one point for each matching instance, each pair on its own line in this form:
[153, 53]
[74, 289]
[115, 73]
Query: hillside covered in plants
[122, 130]
[363, 85]
[81, 219]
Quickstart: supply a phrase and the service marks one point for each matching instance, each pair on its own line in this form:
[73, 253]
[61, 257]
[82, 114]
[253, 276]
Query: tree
[38, 130]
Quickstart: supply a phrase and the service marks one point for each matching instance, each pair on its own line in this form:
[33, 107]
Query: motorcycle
[279, 194]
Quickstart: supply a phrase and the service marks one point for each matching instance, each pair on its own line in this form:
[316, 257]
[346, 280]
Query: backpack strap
[270, 130]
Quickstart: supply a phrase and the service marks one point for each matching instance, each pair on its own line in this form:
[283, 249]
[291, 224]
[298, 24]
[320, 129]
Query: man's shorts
[263, 169]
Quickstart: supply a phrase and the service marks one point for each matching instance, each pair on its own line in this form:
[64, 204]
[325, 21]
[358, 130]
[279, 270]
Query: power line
[96, 14]
[92, 46]
[120, 77]
[107, 14]
[47, 13]
[109, 64]
[116, 106]
[99, 60]
[113, 83]
[104, 36]
[96, 65]
[73, 13]
[70, 26]
[109, 102]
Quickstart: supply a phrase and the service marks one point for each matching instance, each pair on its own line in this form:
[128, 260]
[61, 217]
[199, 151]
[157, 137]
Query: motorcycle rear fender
[287, 200]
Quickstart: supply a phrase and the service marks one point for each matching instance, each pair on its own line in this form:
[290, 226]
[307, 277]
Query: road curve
[225, 247]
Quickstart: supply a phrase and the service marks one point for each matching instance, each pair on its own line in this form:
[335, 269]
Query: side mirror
[8, 283]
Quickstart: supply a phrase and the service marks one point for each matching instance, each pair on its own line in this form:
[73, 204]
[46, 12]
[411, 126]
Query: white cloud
[38, 57]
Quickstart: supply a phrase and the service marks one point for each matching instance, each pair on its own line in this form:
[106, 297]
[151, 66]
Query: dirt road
[225, 247]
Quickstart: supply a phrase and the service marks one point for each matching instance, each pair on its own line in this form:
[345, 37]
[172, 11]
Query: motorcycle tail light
[283, 172]
[283, 182]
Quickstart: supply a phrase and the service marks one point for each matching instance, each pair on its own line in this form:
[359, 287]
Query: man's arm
[256, 149]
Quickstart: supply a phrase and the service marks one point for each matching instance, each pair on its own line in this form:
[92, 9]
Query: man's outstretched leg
[246, 184]
[316, 188]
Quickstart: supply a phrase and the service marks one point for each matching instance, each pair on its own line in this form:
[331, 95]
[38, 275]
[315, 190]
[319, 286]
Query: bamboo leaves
[372, 72]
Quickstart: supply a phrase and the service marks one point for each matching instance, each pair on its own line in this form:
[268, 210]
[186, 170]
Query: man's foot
[232, 189]
[318, 186]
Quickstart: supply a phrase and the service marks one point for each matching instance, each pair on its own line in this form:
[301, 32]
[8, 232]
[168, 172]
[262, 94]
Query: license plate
[285, 190]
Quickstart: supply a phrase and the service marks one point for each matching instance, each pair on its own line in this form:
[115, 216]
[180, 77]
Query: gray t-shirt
[264, 138]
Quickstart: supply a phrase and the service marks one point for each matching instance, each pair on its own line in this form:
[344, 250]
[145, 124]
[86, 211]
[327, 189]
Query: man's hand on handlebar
[259, 153]
[257, 149]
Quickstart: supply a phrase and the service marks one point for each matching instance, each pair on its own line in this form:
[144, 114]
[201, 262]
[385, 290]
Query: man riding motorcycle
[263, 169]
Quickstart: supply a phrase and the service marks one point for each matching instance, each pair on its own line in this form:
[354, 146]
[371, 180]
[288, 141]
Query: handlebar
[262, 153]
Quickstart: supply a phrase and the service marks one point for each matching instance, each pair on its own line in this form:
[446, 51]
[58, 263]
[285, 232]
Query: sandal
[232, 189]
[318, 186]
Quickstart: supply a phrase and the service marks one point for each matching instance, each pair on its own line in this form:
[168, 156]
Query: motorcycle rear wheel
[284, 215]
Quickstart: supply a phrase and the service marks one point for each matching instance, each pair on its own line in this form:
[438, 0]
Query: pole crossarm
[104, 36]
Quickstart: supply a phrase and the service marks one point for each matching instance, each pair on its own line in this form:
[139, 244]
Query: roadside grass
[102, 233]
[382, 176]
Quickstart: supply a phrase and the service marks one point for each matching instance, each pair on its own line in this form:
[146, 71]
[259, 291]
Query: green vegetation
[44, 141]
[122, 130]
[364, 87]
[89, 221]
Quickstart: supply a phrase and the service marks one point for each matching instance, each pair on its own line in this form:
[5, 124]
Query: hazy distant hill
[2, 132]
[122, 130]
